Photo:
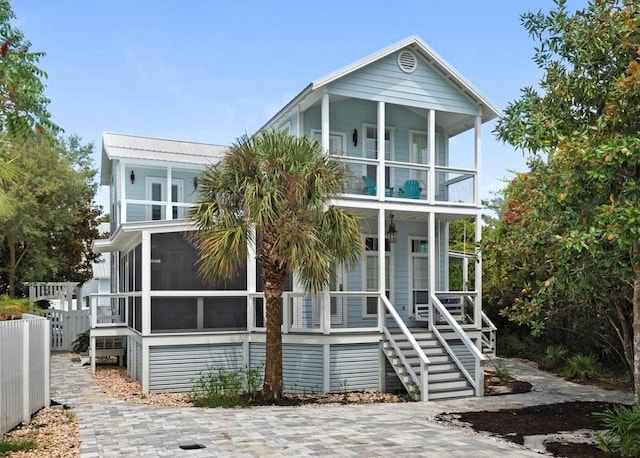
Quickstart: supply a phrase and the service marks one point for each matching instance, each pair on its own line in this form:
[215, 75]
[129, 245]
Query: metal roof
[415, 43]
[133, 147]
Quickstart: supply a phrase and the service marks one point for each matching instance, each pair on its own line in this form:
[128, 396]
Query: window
[156, 191]
[337, 141]
[370, 266]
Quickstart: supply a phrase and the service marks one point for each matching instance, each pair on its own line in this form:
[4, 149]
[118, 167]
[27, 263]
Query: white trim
[286, 127]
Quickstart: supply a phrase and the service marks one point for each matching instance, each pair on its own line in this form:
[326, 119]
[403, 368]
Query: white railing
[143, 210]
[477, 378]
[421, 381]
[455, 185]
[24, 369]
[347, 311]
[488, 335]
[110, 309]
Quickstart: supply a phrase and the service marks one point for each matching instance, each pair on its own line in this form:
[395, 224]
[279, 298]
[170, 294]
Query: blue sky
[210, 71]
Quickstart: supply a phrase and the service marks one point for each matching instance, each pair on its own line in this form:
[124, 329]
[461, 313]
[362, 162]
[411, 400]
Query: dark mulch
[515, 424]
[578, 450]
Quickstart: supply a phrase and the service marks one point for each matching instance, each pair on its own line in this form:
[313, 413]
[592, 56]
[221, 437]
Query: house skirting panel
[354, 367]
[176, 368]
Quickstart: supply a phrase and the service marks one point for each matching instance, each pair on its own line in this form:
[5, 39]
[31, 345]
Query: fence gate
[65, 327]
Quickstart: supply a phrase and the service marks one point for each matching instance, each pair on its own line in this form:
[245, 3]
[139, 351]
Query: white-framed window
[419, 272]
[286, 127]
[370, 271]
[157, 192]
[337, 303]
[337, 141]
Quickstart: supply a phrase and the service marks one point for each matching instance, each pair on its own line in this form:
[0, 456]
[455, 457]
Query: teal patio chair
[369, 186]
[411, 189]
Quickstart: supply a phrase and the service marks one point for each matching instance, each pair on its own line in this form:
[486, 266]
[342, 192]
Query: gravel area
[113, 381]
[55, 432]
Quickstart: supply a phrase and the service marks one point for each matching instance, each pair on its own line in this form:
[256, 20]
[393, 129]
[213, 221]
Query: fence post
[26, 414]
[47, 364]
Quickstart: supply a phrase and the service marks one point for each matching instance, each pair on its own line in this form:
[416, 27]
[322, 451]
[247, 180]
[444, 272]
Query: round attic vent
[407, 61]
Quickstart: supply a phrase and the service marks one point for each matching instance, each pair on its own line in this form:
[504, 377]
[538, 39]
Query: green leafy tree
[585, 122]
[49, 233]
[23, 104]
[277, 187]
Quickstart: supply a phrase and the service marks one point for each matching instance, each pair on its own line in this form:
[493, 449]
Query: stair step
[448, 385]
[444, 376]
[466, 393]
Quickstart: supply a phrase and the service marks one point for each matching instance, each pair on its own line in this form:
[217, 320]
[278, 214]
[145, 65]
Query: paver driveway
[110, 427]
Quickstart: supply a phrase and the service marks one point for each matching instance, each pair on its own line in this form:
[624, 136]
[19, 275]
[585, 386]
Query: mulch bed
[515, 424]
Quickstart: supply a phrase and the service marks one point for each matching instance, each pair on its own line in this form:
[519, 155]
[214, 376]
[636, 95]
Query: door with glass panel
[371, 270]
[157, 192]
[420, 277]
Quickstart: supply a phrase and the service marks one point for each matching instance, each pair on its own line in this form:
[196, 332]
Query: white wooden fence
[65, 327]
[24, 369]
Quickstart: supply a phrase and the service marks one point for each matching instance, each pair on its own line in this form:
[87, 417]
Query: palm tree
[274, 190]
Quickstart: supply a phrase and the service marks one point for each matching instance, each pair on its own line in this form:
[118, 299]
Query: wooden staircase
[444, 378]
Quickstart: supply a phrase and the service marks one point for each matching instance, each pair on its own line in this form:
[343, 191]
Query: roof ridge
[162, 139]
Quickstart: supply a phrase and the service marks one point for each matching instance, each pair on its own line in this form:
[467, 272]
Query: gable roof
[134, 147]
[415, 43]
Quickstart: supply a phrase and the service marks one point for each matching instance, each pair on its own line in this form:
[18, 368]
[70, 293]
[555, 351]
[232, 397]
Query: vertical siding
[383, 80]
[355, 367]
[175, 368]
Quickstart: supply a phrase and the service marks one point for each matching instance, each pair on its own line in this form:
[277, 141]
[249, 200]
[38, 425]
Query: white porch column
[431, 185]
[251, 279]
[432, 263]
[477, 156]
[300, 122]
[169, 210]
[381, 185]
[146, 283]
[477, 318]
[381, 264]
[325, 122]
[121, 191]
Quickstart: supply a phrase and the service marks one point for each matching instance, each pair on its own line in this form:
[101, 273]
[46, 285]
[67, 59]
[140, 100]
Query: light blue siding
[138, 190]
[382, 80]
[302, 366]
[355, 367]
[174, 368]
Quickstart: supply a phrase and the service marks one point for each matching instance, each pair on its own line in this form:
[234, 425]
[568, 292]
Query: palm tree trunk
[636, 329]
[274, 273]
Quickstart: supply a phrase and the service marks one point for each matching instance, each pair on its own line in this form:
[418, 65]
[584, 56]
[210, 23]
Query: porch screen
[173, 267]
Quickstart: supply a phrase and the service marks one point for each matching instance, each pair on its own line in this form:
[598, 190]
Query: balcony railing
[149, 210]
[455, 185]
[110, 309]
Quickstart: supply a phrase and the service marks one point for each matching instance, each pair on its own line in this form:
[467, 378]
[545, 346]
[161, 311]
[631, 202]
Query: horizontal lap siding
[383, 80]
[302, 367]
[355, 367]
[464, 355]
[175, 368]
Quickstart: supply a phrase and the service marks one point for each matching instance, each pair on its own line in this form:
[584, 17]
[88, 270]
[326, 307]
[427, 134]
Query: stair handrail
[491, 328]
[464, 338]
[424, 360]
[487, 320]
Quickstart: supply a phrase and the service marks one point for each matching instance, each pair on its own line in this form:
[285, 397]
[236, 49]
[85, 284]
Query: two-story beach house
[409, 316]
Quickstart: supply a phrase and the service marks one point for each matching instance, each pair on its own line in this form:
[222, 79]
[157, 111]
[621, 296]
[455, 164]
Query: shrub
[555, 357]
[11, 309]
[502, 372]
[217, 388]
[81, 342]
[624, 430]
[581, 367]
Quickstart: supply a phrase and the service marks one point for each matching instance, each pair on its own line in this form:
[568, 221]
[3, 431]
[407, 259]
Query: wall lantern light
[133, 177]
[195, 183]
[392, 234]
[354, 137]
